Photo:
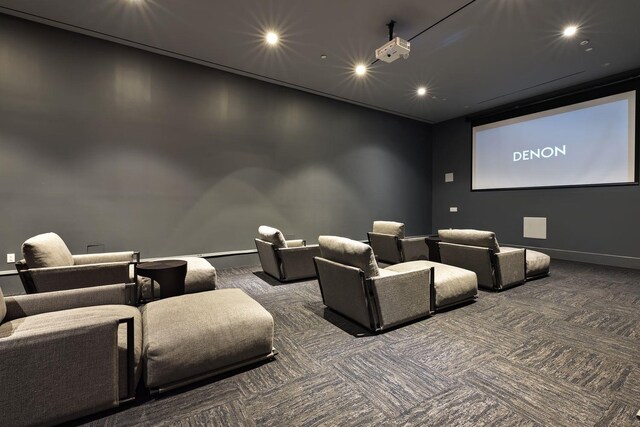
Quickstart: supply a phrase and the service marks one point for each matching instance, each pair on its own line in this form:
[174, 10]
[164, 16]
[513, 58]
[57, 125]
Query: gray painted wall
[594, 224]
[106, 144]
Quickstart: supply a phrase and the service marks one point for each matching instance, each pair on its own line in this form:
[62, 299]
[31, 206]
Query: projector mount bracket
[390, 26]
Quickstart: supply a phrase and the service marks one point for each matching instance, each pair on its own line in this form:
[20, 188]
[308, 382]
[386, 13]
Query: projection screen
[589, 143]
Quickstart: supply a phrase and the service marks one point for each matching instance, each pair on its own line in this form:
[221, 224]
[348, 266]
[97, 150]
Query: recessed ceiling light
[271, 38]
[361, 69]
[584, 42]
[570, 31]
[323, 56]
[589, 49]
[422, 91]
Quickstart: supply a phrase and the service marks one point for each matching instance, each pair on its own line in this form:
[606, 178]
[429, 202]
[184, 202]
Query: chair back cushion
[3, 307]
[272, 235]
[349, 252]
[484, 239]
[389, 227]
[46, 250]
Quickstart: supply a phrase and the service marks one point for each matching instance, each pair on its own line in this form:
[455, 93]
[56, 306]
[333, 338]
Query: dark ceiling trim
[196, 60]
[434, 24]
[531, 87]
[517, 108]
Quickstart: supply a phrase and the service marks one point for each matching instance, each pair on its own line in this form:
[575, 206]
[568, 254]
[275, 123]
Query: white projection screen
[589, 143]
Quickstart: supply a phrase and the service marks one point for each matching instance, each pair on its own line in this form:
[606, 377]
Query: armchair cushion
[484, 239]
[389, 227]
[46, 250]
[349, 252]
[272, 235]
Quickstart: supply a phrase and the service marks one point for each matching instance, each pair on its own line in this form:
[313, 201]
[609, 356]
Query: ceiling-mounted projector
[394, 49]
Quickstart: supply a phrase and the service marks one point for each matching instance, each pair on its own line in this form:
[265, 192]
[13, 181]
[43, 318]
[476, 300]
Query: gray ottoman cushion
[452, 284]
[537, 263]
[193, 336]
[201, 276]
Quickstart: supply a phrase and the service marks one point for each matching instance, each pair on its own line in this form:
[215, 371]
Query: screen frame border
[559, 102]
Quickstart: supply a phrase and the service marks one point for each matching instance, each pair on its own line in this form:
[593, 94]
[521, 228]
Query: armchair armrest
[79, 276]
[403, 296]
[297, 262]
[386, 247]
[127, 256]
[343, 290]
[414, 248]
[30, 305]
[296, 243]
[268, 259]
[511, 267]
[299, 250]
[473, 258]
[59, 372]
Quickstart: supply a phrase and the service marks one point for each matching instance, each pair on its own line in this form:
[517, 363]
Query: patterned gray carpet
[558, 351]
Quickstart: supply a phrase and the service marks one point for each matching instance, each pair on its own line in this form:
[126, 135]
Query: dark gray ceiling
[488, 53]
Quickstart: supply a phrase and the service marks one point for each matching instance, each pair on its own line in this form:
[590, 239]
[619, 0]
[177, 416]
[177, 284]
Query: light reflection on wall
[132, 86]
[20, 72]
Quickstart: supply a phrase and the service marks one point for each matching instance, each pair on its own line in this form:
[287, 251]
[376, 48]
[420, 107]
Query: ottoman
[194, 336]
[537, 263]
[201, 276]
[453, 285]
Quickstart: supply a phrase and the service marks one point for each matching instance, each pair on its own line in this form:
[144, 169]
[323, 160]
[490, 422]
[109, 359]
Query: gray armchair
[48, 265]
[497, 267]
[67, 354]
[392, 247]
[282, 259]
[352, 284]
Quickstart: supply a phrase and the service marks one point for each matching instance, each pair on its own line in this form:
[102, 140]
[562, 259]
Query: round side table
[169, 274]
